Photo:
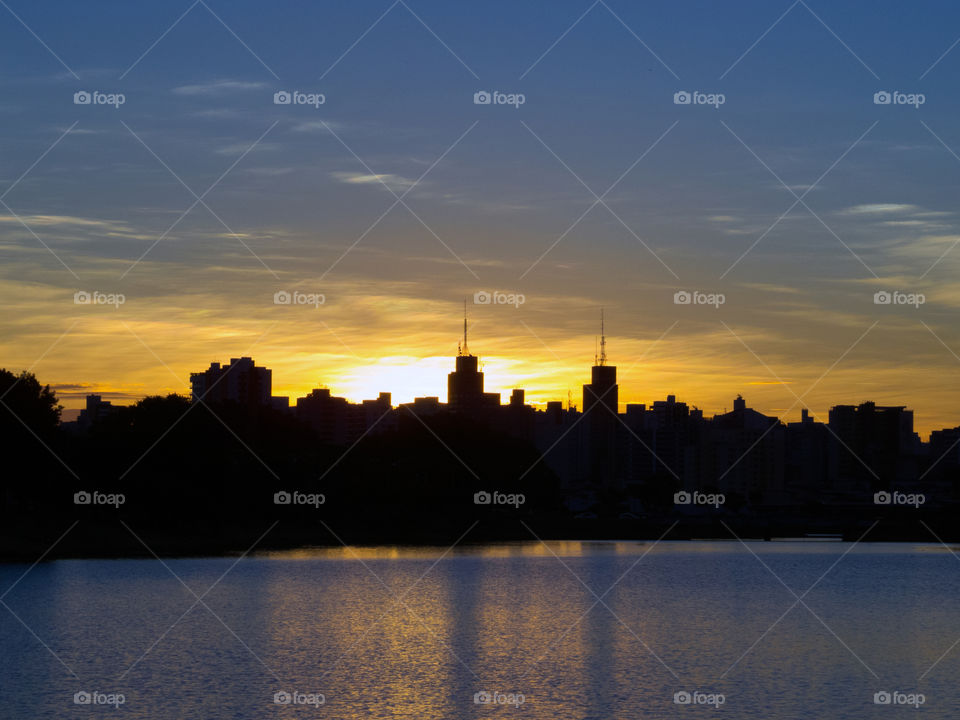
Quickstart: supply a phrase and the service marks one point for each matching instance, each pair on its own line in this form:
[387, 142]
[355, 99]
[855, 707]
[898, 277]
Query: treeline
[197, 478]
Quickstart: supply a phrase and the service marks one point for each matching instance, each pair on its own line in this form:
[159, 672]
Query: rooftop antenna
[603, 342]
[464, 350]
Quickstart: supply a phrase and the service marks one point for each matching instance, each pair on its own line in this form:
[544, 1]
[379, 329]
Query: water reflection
[399, 632]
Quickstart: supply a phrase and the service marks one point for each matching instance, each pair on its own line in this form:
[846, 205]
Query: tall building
[603, 379]
[241, 381]
[875, 445]
[601, 423]
[96, 410]
[465, 383]
[743, 454]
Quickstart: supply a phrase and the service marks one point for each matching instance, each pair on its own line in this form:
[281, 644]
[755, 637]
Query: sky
[780, 200]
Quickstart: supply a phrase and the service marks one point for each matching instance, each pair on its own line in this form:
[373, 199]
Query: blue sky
[696, 207]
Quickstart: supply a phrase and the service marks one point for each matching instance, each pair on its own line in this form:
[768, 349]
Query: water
[406, 633]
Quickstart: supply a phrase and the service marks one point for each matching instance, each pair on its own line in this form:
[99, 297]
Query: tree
[27, 403]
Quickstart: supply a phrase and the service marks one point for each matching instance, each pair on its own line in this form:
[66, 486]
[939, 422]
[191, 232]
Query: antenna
[465, 350]
[603, 342]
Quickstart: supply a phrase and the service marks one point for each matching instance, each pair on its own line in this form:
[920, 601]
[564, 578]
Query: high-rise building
[603, 379]
[601, 424]
[465, 383]
[874, 444]
[241, 381]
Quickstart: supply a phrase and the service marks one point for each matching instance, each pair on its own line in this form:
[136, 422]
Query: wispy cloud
[319, 126]
[242, 147]
[396, 183]
[880, 209]
[218, 87]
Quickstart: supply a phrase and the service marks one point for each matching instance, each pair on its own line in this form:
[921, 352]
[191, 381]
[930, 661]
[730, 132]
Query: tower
[603, 378]
[600, 426]
[465, 383]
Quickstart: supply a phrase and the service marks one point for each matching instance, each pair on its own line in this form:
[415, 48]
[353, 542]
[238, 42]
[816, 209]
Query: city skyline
[431, 370]
[604, 374]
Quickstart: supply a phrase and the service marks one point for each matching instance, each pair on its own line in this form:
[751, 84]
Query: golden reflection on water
[414, 632]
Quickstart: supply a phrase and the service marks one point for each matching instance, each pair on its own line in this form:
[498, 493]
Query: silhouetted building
[807, 477]
[601, 423]
[556, 435]
[465, 383]
[675, 440]
[338, 421]
[744, 455]
[875, 445]
[241, 381]
[96, 410]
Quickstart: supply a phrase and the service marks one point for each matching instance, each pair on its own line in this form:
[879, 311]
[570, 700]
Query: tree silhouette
[25, 398]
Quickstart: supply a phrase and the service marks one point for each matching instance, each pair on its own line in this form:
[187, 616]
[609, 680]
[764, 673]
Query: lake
[563, 630]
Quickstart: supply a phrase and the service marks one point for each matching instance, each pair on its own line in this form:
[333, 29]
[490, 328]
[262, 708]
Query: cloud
[319, 126]
[880, 209]
[269, 171]
[218, 87]
[242, 147]
[394, 182]
[54, 220]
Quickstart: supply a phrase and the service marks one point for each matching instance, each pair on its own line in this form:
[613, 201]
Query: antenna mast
[603, 342]
[465, 350]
